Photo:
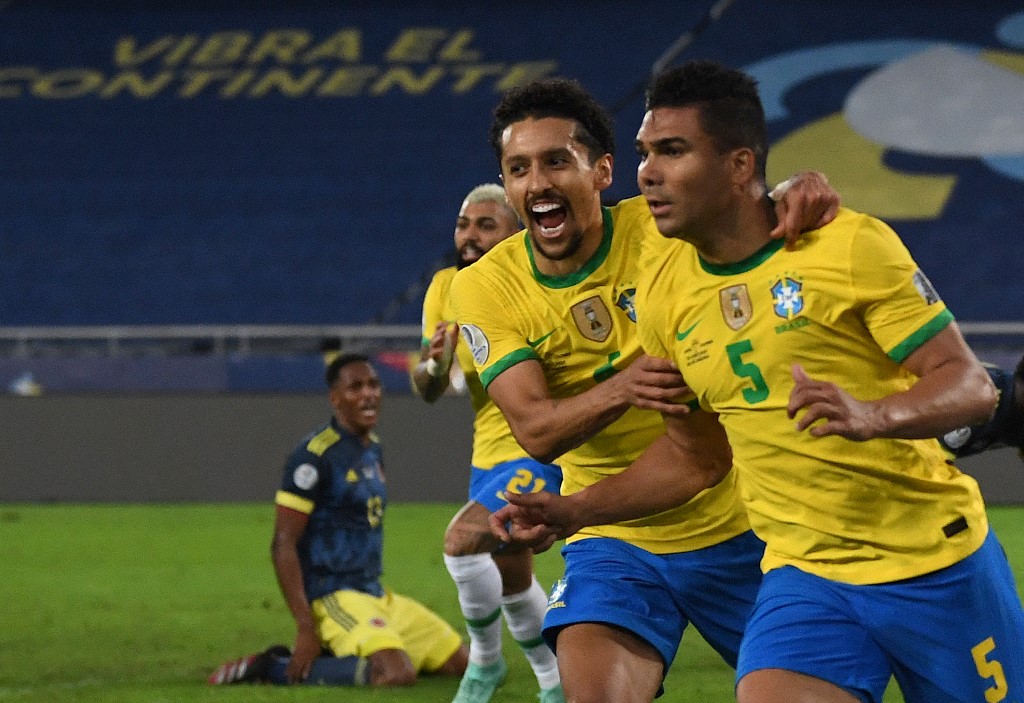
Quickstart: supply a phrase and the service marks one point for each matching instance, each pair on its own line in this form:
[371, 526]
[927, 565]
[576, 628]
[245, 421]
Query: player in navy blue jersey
[327, 554]
[1005, 429]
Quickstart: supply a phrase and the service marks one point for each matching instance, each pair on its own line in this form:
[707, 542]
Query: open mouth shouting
[469, 253]
[550, 217]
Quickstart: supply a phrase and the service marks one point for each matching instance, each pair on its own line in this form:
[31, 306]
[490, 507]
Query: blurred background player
[327, 554]
[489, 582]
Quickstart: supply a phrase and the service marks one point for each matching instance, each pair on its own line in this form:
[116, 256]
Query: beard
[460, 256]
[571, 246]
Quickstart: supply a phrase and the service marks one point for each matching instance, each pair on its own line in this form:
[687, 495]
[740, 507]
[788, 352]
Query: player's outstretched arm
[691, 456]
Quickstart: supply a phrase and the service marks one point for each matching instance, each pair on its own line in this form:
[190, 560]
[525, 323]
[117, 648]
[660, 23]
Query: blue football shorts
[950, 636]
[525, 475]
[655, 596]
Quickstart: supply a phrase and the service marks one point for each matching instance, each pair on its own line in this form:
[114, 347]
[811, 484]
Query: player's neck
[739, 234]
[363, 435]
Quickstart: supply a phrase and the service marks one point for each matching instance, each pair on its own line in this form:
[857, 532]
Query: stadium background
[217, 164]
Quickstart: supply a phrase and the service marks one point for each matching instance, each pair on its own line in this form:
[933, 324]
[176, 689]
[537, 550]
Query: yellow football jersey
[493, 442]
[848, 305]
[582, 330]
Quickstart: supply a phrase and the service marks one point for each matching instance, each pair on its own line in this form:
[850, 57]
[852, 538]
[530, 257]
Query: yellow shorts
[356, 623]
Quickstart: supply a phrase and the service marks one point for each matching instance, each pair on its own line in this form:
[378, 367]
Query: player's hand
[443, 341]
[306, 649]
[804, 202]
[844, 415]
[654, 383]
[441, 350]
[536, 520]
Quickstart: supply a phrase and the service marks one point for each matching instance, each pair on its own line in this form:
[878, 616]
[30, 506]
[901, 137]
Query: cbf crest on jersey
[592, 319]
[736, 306]
[626, 302]
[787, 298]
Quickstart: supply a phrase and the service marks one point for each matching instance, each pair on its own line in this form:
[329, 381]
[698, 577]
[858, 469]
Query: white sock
[524, 613]
[478, 582]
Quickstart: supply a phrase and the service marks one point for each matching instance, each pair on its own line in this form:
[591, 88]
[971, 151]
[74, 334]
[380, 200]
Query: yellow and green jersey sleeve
[493, 442]
[848, 305]
[435, 302]
[581, 328]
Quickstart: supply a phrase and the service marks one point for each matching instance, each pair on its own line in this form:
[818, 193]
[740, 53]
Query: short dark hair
[557, 97]
[339, 362]
[727, 101]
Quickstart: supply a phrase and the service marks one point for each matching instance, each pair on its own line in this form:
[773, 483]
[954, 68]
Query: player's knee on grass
[391, 667]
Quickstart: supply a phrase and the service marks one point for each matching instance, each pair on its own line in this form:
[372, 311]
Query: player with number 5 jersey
[832, 368]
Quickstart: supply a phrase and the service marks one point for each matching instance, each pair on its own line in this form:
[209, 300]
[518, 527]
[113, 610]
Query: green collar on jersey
[751, 262]
[596, 260]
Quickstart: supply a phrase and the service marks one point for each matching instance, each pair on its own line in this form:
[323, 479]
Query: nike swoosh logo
[534, 342]
[680, 336]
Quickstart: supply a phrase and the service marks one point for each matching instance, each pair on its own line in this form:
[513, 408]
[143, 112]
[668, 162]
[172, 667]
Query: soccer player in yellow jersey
[830, 367]
[548, 316]
[491, 579]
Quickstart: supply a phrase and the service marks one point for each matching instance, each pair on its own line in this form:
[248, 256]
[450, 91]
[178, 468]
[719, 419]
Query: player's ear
[744, 164]
[603, 171]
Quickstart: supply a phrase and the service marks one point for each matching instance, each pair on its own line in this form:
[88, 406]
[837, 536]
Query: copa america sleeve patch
[925, 288]
[477, 342]
[305, 476]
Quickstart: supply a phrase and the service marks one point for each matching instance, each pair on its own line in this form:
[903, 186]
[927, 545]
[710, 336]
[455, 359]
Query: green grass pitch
[138, 603]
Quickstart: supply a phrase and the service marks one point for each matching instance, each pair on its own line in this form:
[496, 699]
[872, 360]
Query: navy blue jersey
[339, 483]
[1005, 429]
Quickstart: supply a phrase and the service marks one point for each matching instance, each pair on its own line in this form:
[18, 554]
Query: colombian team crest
[592, 319]
[788, 298]
[736, 306]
